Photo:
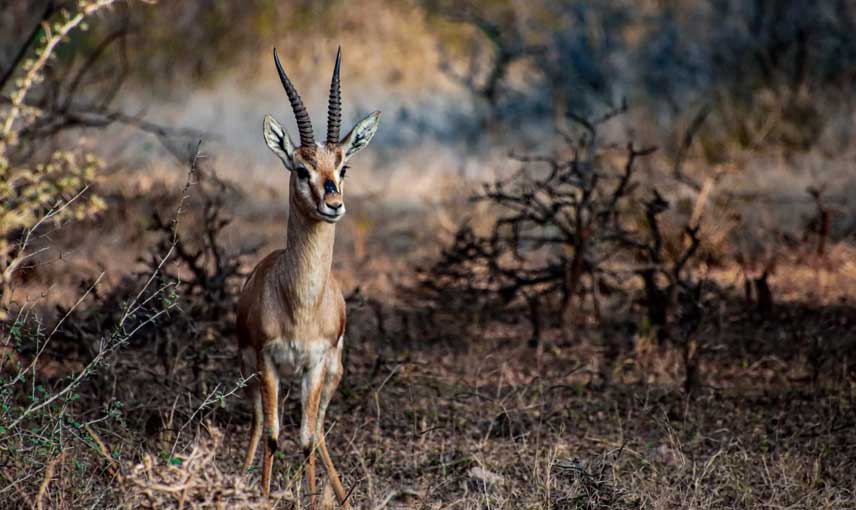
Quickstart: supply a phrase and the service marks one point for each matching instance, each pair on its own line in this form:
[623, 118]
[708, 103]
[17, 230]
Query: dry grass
[450, 431]
[477, 420]
[194, 480]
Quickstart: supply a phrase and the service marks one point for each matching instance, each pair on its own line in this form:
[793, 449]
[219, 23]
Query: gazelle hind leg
[253, 391]
[332, 376]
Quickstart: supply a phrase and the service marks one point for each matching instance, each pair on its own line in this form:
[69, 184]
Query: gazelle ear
[278, 141]
[361, 135]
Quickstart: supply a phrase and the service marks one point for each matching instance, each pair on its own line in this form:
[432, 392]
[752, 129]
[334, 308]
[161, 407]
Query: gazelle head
[318, 169]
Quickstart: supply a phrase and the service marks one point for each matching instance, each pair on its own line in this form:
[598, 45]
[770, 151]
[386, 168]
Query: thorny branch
[567, 233]
[126, 328]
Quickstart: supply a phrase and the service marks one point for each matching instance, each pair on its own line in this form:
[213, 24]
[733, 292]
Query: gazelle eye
[303, 173]
[343, 171]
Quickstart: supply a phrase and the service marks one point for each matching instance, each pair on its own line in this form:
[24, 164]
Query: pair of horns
[334, 107]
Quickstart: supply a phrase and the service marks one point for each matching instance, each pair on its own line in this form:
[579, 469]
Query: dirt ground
[493, 427]
[447, 413]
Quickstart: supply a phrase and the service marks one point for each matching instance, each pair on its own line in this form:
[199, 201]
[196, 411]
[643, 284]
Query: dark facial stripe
[314, 191]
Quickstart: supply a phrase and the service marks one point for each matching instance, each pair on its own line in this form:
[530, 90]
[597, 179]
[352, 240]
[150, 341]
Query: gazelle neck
[308, 257]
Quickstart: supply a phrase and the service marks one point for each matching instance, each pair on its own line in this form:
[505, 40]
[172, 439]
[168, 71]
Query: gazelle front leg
[269, 393]
[311, 388]
[332, 376]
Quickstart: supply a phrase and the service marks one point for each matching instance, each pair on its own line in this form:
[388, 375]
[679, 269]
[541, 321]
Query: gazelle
[291, 314]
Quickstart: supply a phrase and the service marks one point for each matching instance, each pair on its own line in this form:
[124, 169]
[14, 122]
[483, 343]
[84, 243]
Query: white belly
[292, 358]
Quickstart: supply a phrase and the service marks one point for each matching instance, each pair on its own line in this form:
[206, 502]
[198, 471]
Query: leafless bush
[567, 228]
[573, 235]
[209, 278]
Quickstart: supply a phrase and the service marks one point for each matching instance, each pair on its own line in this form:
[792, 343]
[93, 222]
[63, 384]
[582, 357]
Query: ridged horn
[334, 107]
[304, 123]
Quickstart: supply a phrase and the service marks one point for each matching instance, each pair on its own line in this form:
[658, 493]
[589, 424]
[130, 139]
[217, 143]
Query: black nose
[335, 205]
[330, 187]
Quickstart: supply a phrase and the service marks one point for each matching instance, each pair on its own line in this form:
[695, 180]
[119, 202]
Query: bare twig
[49, 474]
